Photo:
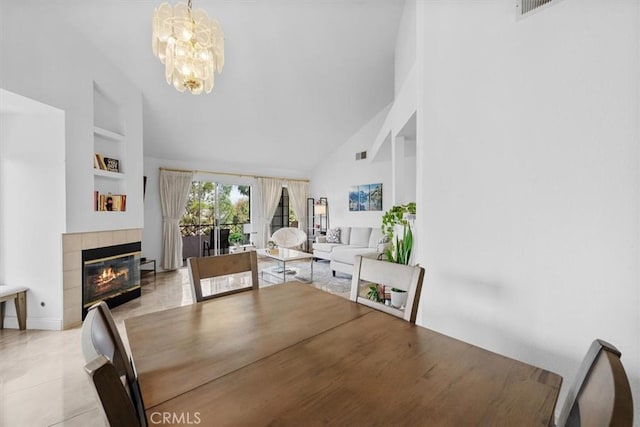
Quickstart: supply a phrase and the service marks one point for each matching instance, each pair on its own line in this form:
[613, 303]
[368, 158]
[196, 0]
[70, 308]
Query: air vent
[361, 155]
[525, 7]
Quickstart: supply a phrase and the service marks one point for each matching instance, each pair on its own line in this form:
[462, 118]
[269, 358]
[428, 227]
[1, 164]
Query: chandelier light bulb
[190, 44]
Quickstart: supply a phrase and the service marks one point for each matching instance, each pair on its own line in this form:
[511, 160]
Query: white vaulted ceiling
[300, 76]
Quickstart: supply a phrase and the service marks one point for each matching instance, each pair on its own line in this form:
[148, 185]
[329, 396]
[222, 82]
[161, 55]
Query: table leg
[284, 271]
[2, 315]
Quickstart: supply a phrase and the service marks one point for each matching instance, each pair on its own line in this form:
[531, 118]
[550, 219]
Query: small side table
[145, 261]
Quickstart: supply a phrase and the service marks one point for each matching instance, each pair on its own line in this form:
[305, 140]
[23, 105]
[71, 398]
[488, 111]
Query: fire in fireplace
[110, 274]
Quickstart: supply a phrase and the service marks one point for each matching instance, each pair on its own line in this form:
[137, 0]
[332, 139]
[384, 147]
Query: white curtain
[270, 192]
[298, 193]
[174, 190]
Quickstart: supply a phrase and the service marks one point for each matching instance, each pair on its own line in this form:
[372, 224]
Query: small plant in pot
[398, 297]
[236, 238]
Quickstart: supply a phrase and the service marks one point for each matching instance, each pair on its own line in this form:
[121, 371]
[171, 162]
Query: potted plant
[376, 293]
[400, 249]
[397, 215]
[236, 238]
[398, 297]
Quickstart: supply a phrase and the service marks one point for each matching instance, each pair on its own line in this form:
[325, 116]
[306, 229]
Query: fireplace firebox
[110, 274]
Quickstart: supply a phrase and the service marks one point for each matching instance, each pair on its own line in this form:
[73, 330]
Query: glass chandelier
[189, 44]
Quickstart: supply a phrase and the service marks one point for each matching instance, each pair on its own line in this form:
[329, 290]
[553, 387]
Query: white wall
[335, 175]
[528, 151]
[406, 172]
[49, 63]
[405, 54]
[32, 206]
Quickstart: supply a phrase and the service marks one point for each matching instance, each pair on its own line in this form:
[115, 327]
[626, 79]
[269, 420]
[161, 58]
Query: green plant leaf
[391, 218]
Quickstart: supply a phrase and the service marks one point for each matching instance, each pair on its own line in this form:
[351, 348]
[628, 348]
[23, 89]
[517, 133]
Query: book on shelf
[100, 161]
[109, 202]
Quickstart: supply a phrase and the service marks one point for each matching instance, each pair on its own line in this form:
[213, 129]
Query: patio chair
[207, 247]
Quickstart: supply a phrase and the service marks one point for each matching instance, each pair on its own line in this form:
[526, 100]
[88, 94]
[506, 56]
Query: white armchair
[289, 238]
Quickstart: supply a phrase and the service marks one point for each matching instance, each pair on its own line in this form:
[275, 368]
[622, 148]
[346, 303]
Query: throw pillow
[333, 235]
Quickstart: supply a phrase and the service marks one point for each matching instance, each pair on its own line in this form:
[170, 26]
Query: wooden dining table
[294, 355]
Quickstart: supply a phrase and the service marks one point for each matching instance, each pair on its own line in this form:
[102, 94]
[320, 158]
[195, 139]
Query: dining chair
[600, 395]
[400, 276]
[221, 265]
[100, 337]
[116, 403]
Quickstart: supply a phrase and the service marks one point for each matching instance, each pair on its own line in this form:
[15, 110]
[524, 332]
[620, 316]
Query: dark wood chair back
[376, 272]
[116, 403]
[601, 395]
[100, 337]
[218, 266]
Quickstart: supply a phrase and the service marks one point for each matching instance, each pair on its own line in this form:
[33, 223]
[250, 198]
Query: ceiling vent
[525, 7]
[361, 155]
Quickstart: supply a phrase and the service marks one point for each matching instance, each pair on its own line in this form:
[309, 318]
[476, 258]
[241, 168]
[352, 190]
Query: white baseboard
[47, 324]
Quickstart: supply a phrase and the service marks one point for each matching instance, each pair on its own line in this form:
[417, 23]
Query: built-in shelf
[105, 133]
[109, 149]
[107, 174]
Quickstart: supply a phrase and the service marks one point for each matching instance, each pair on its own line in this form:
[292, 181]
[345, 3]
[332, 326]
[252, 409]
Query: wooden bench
[19, 295]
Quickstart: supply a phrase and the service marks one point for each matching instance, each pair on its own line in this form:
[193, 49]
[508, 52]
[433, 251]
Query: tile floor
[42, 382]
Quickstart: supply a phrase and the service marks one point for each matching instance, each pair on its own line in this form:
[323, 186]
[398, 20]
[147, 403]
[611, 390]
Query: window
[209, 203]
[226, 205]
[284, 215]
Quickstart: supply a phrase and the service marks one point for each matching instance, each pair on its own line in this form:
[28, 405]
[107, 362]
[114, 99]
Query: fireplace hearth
[110, 274]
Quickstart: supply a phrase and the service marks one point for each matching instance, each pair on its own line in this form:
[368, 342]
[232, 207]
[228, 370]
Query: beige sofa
[365, 241]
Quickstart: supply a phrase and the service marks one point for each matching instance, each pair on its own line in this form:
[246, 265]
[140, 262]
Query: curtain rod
[233, 174]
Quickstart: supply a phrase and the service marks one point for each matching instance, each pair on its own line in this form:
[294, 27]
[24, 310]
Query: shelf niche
[109, 138]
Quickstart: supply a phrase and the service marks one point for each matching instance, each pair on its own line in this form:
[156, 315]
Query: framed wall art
[367, 197]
